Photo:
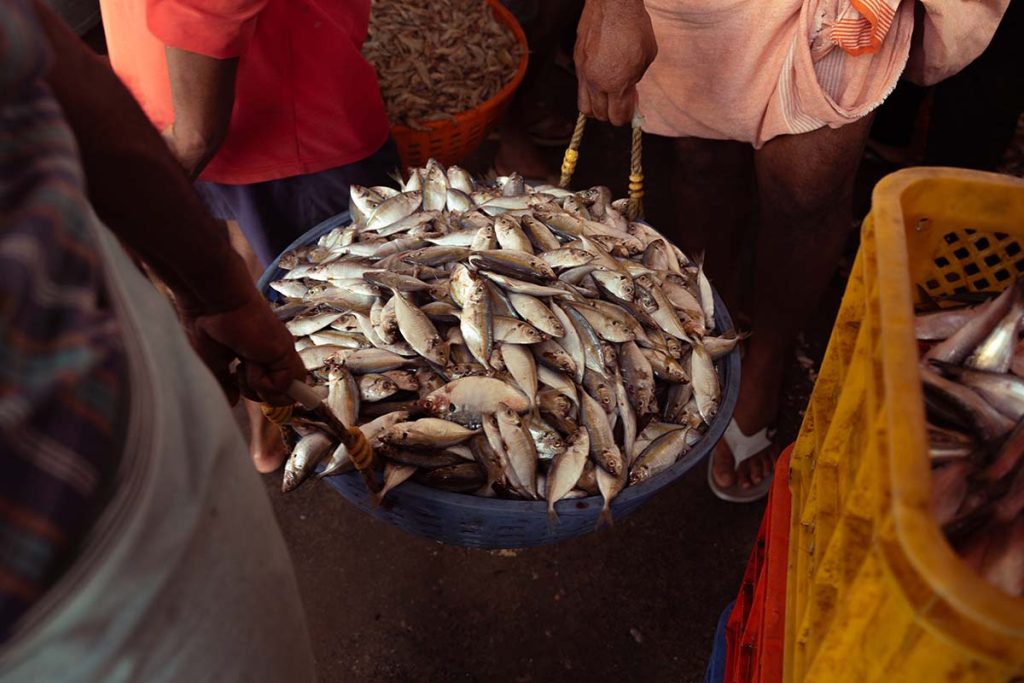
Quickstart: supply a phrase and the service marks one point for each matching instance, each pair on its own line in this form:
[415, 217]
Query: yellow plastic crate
[874, 592]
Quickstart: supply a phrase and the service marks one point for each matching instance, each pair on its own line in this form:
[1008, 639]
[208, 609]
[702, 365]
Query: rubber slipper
[743, 447]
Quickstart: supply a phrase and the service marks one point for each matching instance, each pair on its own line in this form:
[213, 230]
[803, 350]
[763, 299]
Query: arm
[614, 46]
[140, 192]
[203, 92]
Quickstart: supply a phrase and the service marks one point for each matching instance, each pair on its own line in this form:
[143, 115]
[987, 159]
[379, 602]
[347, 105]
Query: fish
[395, 474]
[510, 236]
[535, 312]
[426, 432]
[540, 235]
[638, 376]
[659, 455]
[462, 478]
[706, 387]
[512, 331]
[418, 331]
[517, 286]
[943, 324]
[602, 443]
[305, 456]
[610, 485]
[517, 264]
[986, 420]
[551, 354]
[995, 352]
[343, 396]
[1003, 391]
[520, 363]
[465, 400]
[376, 387]
[302, 326]
[520, 447]
[566, 469]
[961, 344]
[461, 301]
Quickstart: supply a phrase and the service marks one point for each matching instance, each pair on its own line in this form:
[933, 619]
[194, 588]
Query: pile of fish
[973, 377]
[503, 340]
[438, 58]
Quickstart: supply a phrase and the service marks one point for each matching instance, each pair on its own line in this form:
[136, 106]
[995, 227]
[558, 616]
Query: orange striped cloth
[862, 28]
[751, 71]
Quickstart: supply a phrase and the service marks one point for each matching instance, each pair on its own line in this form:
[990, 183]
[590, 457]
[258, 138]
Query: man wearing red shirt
[269, 103]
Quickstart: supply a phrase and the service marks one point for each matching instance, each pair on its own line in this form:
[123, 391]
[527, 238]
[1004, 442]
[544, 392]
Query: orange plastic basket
[451, 140]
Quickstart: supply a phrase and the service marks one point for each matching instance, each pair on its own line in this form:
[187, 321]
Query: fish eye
[452, 407]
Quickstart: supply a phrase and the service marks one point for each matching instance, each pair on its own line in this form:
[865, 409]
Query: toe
[743, 475]
[722, 467]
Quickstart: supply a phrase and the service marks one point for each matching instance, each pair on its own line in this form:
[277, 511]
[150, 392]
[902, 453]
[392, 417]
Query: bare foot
[265, 443]
[756, 408]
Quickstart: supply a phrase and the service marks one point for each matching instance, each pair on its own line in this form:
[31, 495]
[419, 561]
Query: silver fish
[995, 353]
[419, 332]
[426, 432]
[535, 312]
[343, 396]
[376, 387]
[661, 454]
[520, 363]
[395, 209]
[603, 449]
[566, 468]
[395, 475]
[957, 347]
[571, 341]
[307, 453]
[706, 387]
[519, 445]
[514, 331]
[465, 400]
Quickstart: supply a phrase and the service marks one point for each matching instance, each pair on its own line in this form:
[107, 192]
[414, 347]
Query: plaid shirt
[63, 369]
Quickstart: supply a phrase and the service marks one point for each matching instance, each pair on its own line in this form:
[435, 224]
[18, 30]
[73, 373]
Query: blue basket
[475, 522]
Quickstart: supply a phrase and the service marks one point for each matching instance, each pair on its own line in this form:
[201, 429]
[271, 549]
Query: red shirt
[305, 98]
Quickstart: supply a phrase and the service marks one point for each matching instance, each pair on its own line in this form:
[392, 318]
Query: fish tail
[552, 515]
[605, 518]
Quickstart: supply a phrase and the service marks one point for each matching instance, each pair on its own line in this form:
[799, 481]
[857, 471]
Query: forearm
[135, 186]
[203, 93]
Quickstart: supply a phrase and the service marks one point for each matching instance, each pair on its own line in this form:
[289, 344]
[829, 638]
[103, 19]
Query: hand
[614, 46]
[253, 335]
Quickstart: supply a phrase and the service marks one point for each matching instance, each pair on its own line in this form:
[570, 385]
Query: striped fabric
[861, 29]
[63, 372]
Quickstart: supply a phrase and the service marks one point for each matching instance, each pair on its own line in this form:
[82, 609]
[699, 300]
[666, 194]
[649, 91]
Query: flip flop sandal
[743, 447]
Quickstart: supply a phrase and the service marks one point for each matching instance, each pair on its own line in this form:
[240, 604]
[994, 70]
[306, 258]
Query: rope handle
[636, 171]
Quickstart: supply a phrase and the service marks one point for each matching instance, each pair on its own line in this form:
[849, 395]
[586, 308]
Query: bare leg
[805, 185]
[712, 184]
[265, 444]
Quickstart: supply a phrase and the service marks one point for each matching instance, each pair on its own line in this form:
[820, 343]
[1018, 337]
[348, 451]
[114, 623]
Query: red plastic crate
[756, 628]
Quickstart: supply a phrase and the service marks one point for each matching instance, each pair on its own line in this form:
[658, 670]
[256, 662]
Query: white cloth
[185, 576]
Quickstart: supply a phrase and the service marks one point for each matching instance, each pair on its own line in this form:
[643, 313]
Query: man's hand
[252, 334]
[614, 46]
